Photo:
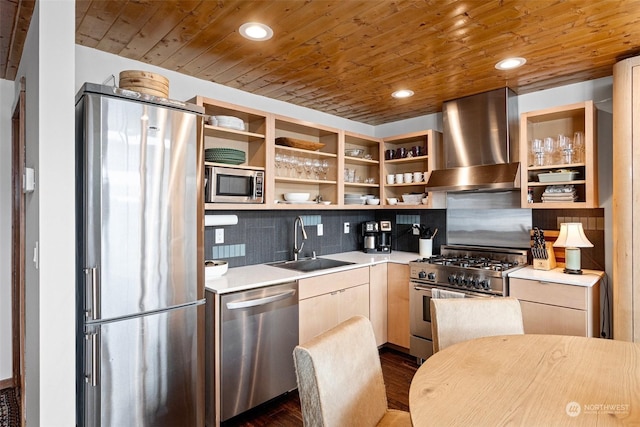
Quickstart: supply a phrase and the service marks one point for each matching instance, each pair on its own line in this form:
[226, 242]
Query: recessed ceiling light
[256, 31]
[510, 63]
[402, 93]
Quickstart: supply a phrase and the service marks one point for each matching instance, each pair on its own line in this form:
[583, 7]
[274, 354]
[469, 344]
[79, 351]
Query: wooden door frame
[18, 244]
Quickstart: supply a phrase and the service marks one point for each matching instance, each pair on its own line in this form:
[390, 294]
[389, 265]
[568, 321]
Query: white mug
[408, 177]
[391, 179]
[417, 176]
[399, 178]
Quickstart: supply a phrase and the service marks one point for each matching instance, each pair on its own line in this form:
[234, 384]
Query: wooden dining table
[529, 380]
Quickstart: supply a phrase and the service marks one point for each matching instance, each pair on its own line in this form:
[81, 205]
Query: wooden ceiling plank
[167, 15]
[307, 25]
[221, 35]
[133, 16]
[17, 37]
[99, 19]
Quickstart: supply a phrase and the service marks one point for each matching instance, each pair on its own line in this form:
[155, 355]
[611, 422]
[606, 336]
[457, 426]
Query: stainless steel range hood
[480, 143]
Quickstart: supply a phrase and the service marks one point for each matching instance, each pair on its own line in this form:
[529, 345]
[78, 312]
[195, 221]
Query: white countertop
[588, 278]
[255, 276]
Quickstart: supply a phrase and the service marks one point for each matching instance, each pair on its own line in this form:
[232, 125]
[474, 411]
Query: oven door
[420, 342]
[420, 294]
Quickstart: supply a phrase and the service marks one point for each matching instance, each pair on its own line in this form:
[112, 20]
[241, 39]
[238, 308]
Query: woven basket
[145, 82]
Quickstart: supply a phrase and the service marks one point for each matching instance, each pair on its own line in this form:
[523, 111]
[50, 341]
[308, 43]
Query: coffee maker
[376, 236]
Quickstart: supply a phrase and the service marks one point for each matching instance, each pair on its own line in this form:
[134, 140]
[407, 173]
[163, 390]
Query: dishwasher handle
[260, 301]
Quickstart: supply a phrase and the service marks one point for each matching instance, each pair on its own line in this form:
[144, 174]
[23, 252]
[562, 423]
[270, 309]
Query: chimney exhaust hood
[480, 144]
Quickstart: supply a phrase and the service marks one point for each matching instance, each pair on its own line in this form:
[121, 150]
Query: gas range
[476, 269]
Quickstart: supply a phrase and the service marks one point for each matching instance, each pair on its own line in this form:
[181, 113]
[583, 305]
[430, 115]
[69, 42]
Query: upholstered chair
[459, 319]
[340, 379]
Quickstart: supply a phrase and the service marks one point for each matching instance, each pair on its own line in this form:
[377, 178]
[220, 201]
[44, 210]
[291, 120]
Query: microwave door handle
[252, 187]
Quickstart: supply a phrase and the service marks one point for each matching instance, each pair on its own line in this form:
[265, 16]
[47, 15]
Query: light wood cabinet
[319, 171]
[551, 307]
[378, 301]
[428, 159]
[626, 200]
[365, 167]
[551, 123]
[300, 170]
[328, 299]
[398, 305]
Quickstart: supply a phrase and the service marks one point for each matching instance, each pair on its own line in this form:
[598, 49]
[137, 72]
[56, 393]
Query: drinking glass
[278, 163]
[299, 163]
[325, 168]
[317, 167]
[550, 152]
[308, 166]
[578, 146]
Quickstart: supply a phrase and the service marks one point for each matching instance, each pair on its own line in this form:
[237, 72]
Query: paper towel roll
[213, 220]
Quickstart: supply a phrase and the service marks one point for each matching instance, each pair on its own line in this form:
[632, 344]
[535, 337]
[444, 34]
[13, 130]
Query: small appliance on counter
[376, 236]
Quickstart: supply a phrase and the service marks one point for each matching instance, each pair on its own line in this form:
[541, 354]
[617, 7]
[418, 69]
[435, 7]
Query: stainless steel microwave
[233, 185]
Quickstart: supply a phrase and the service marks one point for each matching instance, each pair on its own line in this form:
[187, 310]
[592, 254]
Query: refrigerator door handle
[260, 301]
[94, 346]
[92, 311]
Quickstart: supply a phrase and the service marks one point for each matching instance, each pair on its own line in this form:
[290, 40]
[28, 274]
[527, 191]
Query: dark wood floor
[397, 368]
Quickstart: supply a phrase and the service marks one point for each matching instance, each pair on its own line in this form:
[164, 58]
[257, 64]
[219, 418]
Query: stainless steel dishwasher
[259, 333]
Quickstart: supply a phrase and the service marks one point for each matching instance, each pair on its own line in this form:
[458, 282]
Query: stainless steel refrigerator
[139, 260]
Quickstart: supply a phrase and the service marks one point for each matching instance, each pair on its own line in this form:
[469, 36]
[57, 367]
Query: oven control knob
[458, 280]
[422, 275]
[473, 283]
[431, 276]
[465, 281]
[451, 279]
[484, 284]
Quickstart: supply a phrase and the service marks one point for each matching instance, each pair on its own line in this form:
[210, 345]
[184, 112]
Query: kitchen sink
[311, 264]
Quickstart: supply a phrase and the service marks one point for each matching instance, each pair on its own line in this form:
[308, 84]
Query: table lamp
[572, 238]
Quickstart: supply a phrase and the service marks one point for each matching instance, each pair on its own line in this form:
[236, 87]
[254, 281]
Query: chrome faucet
[297, 250]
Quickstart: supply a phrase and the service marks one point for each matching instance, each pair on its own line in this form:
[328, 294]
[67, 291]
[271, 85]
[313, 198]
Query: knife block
[548, 263]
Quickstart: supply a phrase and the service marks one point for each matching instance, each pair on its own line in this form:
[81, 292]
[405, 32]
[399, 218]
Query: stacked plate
[228, 122]
[224, 155]
[354, 199]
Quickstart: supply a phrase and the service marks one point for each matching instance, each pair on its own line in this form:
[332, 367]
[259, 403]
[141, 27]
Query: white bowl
[296, 197]
[213, 268]
[392, 201]
[373, 201]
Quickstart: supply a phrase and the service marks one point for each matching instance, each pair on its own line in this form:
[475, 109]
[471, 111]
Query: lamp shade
[572, 236]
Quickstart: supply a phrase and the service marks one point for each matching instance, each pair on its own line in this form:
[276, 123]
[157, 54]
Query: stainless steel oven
[459, 271]
[233, 184]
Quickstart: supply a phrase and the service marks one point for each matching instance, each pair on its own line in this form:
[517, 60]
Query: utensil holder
[426, 248]
[548, 263]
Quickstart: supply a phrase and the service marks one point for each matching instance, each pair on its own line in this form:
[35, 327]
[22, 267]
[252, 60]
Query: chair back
[340, 377]
[459, 319]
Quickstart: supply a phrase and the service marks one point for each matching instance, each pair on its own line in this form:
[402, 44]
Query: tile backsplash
[267, 236]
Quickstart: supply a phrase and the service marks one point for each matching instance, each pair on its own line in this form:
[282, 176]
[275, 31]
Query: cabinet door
[378, 301]
[317, 315]
[550, 319]
[398, 305]
[353, 301]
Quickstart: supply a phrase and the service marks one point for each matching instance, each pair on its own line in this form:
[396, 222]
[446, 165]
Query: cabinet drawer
[549, 293]
[549, 319]
[332, 282]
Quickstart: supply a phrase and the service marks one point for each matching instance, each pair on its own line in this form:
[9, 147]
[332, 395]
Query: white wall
[6, 105]
[48, 66]
[96, 67]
